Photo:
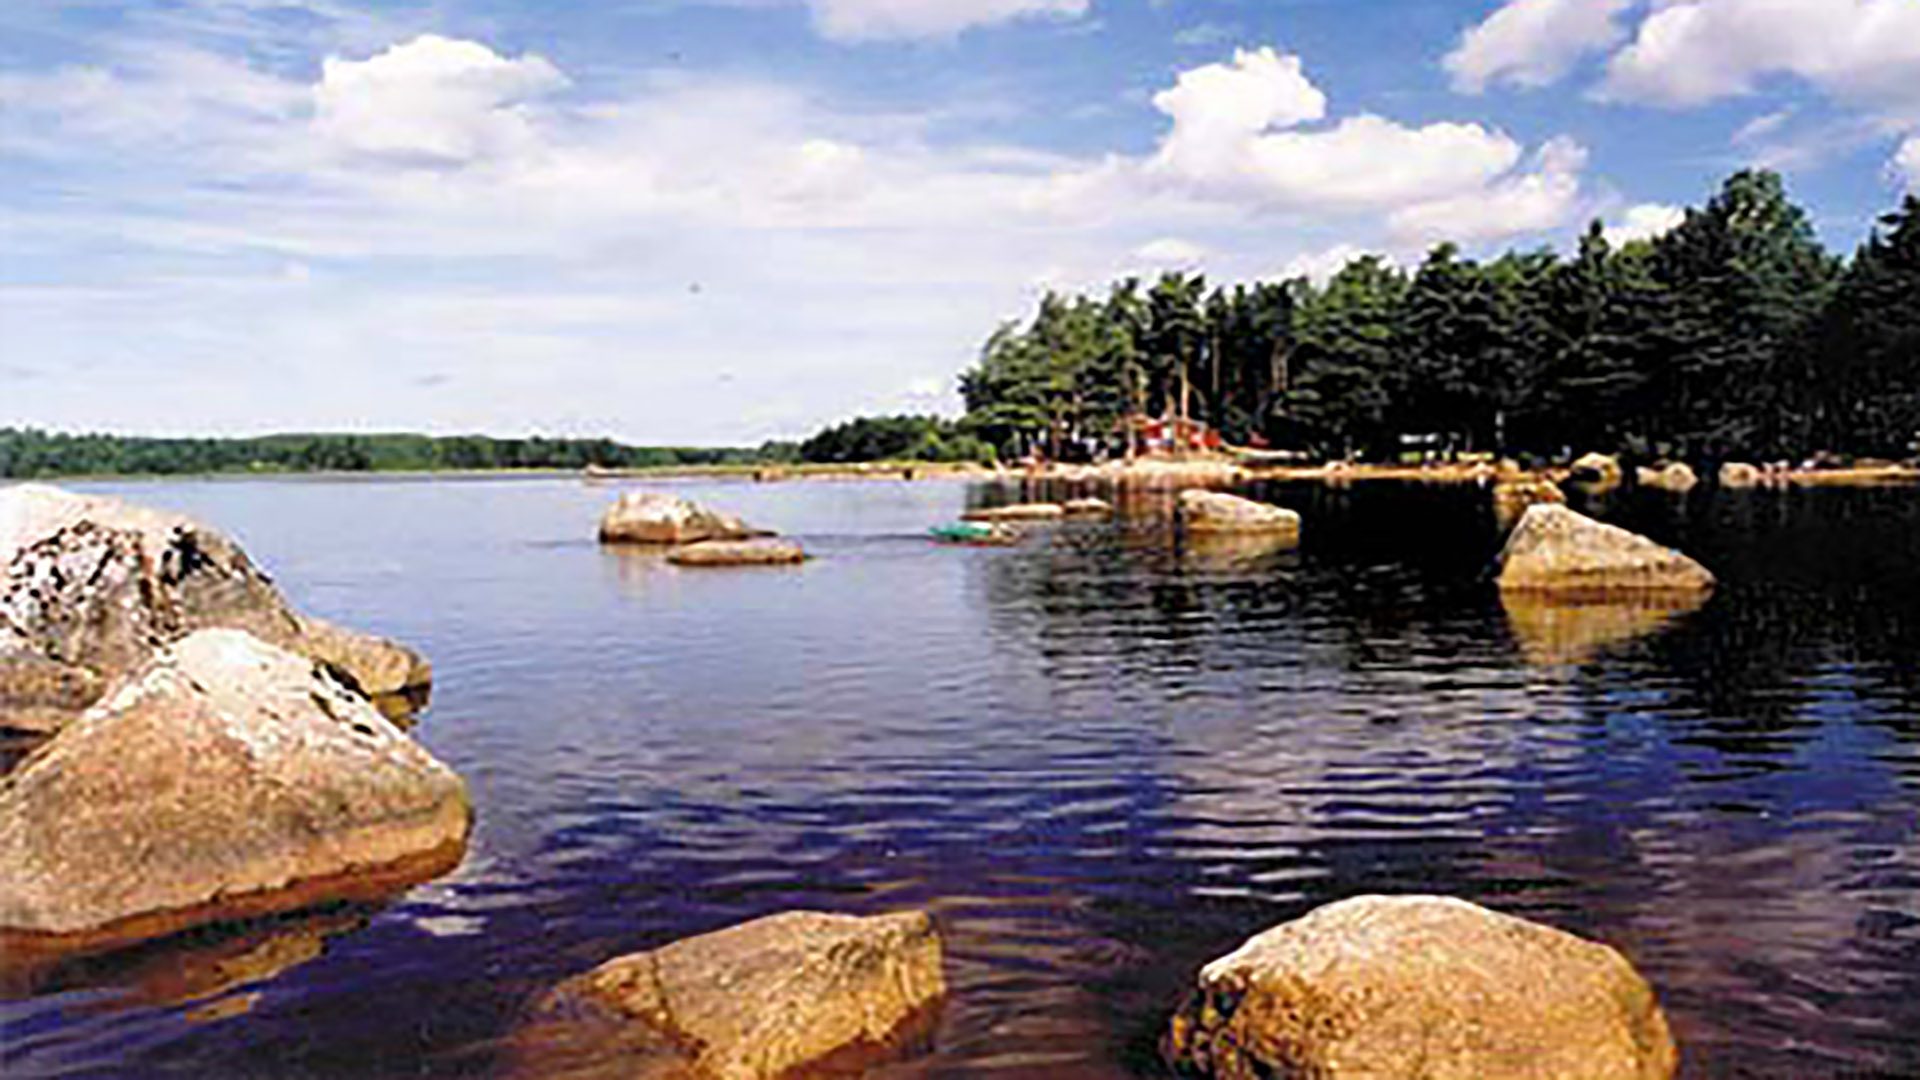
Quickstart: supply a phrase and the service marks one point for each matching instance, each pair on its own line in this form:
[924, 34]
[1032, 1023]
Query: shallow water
[1101, 758]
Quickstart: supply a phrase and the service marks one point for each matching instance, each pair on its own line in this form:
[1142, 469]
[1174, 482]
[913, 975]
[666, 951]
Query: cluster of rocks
[1377, 987]
[695, 535]
[204, 752]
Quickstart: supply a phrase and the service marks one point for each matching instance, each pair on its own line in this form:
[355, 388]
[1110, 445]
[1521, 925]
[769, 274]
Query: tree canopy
[1734, 334]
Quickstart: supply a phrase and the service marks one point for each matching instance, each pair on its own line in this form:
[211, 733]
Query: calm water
[1101, 759]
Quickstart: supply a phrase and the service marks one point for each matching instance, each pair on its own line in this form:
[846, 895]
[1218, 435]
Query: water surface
[1101, 759]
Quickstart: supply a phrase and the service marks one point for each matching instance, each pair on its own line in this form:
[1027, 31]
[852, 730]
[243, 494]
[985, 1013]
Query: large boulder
[1559, 552]
[96, 585]
[1216, 512]
[800, 993]
[650, 517]
[227, 778]
[739, 553]
[1421, 988]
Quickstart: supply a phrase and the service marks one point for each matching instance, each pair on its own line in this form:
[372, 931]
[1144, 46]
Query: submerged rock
[1677, 477]
[1421, 987]
[1559, 552]
[1552, 632]
[97, 584]
[1018, 512]
[228, 778]
[647, 517]
[1213, 512]
[800, 993]
[739, 553]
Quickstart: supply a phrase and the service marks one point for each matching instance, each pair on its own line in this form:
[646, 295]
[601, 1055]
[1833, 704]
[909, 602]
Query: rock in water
[97, 584]
[646, 517]
[1736, 474]
[1511, 497]
[1018, 512]
[1215, 512]
[739, 553]
[1677, 477]
[1421, 988]
[1557, 551]
[1088, 507]
[1599, 471]
[228, 778]
[800, 993]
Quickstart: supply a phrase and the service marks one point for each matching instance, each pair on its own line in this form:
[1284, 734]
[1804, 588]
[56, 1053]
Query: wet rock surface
[1420, 988]
[795, 994]
[739, 553]
[1217, 512]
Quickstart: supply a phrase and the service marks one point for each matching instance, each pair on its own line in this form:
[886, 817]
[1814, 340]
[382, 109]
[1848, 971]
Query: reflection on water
[1101, 758]
[1552, 631]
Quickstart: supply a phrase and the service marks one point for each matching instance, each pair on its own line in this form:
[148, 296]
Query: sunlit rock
[800, 993]
[228, 778]
[1017, 512]
[1217, 512]
[739, 553]
[1513, 495]
[1088, 507]
[97, 584]
[1599, 472]
[645, 517]
[1739, 474]
[1421, 987]
[1555, 551]
[1676, 477]
[1550, 631]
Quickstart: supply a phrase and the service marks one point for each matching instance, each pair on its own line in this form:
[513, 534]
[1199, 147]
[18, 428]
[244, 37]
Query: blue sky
[717, 221]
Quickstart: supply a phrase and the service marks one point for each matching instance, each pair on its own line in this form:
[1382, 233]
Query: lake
[1101, 759]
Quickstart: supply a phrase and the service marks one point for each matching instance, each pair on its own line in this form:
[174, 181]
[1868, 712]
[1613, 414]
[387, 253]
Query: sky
[706, 222]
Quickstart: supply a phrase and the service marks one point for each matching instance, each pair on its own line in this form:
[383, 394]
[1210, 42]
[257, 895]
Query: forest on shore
[1735, 335]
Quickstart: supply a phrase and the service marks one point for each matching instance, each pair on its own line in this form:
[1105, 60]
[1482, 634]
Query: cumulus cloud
[1236, 134]
[1534, 43]
[1541, 198]
[1690, 52]
[1645, 222]
[877, 20]
[431, 99]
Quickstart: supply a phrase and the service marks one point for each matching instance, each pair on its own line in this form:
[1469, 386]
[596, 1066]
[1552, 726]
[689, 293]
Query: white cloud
[1645, 222]
[876, 20]
[1543, 198]
[1320, 266]
[1231, 138]
[1170, 252]
[1534, 43]
[1690, 52]
[1906, 163]
[432, 99]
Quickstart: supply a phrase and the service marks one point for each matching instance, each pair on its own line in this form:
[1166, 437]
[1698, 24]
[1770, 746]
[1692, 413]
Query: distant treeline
[1734, 335]
[29, 453]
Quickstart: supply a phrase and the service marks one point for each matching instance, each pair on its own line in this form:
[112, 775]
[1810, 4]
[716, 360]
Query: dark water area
[1102, 759]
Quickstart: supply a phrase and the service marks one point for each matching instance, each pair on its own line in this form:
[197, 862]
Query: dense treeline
[1733, 335]
[893, 438]
[30, 453]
